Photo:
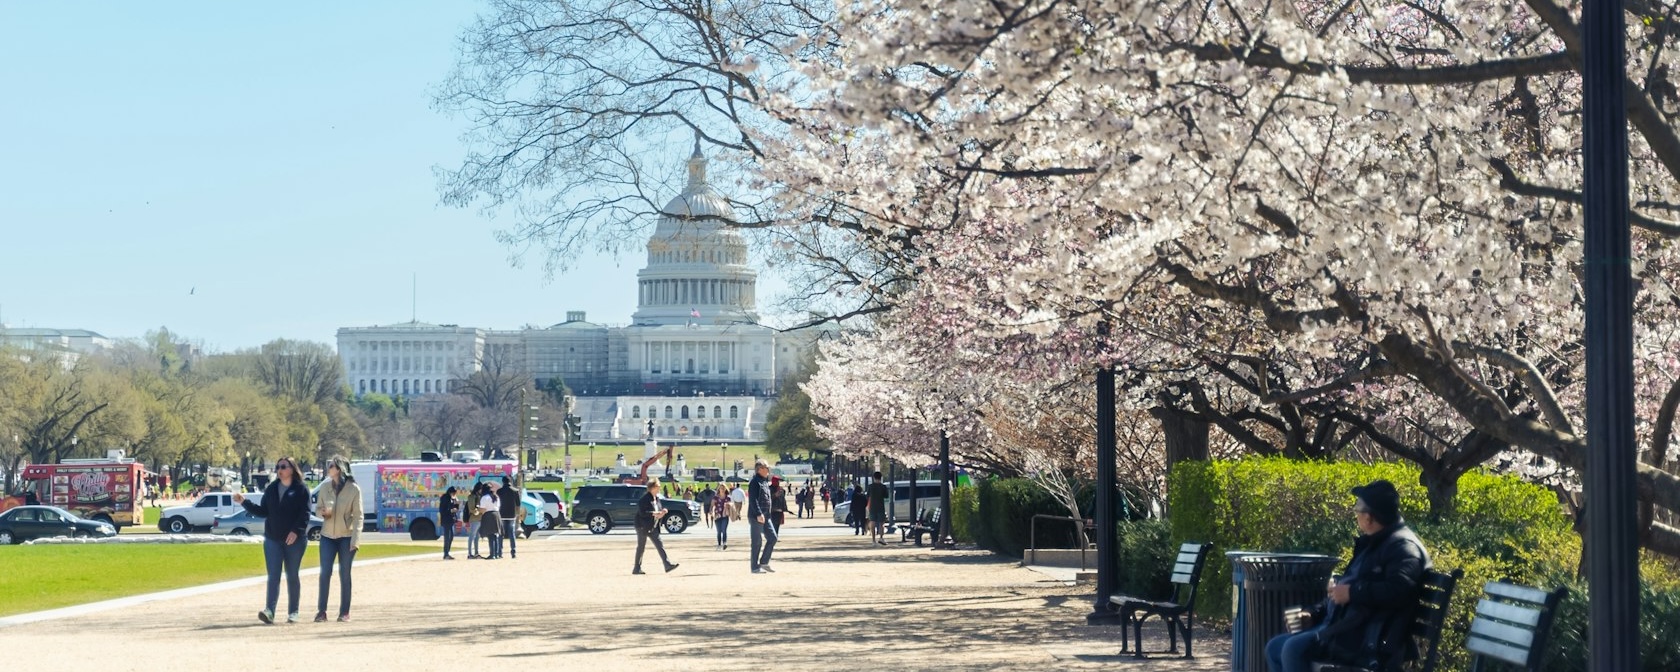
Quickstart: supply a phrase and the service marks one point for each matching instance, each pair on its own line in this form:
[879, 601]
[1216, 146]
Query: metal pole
[1612, 534]
[944, 540]
[1108, 559]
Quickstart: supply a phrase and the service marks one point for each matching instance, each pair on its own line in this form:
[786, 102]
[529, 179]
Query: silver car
[244, 524]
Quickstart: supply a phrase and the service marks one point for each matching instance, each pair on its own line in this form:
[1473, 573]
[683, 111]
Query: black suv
[603, 507]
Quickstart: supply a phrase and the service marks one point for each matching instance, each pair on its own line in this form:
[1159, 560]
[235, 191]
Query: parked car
[553, 509]
[603, 507]
[548, 478]
[23, 523]
[245, 523]
[927, 497]
[202, 513]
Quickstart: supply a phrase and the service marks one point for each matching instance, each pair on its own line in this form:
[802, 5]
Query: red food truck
[102, 489]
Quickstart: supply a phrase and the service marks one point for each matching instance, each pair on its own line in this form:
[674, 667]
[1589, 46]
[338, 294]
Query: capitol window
[717, 411]
[653, 412]
[700, 413]
[635, 411]
[734, 412]
[669, 413]
[685, 412]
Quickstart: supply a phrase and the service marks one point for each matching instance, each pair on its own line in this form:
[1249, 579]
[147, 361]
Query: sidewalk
[570, 602]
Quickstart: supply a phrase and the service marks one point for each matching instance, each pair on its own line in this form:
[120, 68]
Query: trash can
[1271, 583]
[1238, 609]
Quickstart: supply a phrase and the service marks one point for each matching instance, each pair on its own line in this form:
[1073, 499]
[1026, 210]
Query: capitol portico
[695, 334]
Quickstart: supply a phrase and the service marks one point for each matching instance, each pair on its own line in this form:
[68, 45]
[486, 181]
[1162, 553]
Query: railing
[1032, 532]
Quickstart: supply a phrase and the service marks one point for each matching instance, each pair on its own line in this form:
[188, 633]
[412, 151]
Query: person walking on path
[825, 496]
[649, 512]
[877, 509]
[339, 502]
[448, 510]
[705, 498]
[778, 501]
[510, 517]
[759, 518]
[474, 516]
[737, 501]
[859, 513]
[720, 517]
[285, 507]
[1376, 596]
[490, 525]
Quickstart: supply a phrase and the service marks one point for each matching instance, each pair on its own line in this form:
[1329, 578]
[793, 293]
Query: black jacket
[510, 503]
[644, 512]
[758, 498]
[447, 509]
[1386, 573]
[283, 512]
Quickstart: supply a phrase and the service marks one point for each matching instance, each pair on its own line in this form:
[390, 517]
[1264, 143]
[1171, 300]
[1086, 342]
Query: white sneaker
[292, 617]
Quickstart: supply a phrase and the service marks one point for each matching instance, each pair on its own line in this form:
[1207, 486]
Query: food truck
[105, 489]
[402, 495]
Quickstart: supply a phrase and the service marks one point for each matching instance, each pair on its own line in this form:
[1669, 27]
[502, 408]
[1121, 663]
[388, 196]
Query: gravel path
[569, 602]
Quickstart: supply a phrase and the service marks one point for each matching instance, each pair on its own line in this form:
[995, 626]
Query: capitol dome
[696, 269]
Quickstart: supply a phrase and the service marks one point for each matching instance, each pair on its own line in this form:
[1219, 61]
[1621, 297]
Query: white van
[927, 497]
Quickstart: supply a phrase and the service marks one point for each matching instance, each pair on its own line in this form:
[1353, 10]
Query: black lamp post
[1108, 560]
[945, 540]
[1612, 542]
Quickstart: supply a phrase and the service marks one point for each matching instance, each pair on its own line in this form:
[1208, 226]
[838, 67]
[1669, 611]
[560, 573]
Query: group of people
[868, 512]
[285, 506]
[492, 512]
[763, 502]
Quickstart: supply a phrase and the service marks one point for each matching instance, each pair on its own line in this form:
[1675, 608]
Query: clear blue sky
[240, 172]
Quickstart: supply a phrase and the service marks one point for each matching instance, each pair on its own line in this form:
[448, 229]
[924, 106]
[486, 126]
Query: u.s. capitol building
[694, 359]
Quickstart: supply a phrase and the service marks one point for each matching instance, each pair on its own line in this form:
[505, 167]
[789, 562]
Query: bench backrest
[1187, 571]
[1512, 625]
[1435, 595]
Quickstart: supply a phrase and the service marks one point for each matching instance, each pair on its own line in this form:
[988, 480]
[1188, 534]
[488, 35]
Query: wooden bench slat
[1493, 649]
[1516, 592]
[1494, 630]
[1509, 613]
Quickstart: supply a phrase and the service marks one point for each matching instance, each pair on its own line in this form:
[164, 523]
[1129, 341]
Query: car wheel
[107, 520]
[552, 523]
[6, 538]
[314, 534]
[422, 530]
[599, 523]
[240, 532]
[178, 525]
[675, 523]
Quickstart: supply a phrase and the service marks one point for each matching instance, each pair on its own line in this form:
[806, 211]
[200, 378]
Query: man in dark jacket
[759, 518]
[649, 511]
[1365, 617]
[511, 515]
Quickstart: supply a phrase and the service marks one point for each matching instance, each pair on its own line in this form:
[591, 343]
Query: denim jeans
[495, 542]
[510, 532]
[279, 555]
[472, 538]
[723, 531]
[448, 537]
[335, 550]
[763, 534]
[1292, 653]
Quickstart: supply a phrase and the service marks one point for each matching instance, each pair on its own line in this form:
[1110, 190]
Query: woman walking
[474, 514]
[448, 509]
[720, 517]
[778, 501]
[339, 501]
[490, 525]
[285, 506]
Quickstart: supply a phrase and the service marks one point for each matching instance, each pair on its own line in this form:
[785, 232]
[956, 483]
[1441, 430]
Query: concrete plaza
[569, 602]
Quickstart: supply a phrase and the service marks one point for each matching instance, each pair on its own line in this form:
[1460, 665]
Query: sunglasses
[283, 466]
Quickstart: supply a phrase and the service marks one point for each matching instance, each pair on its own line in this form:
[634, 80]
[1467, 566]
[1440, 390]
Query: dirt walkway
[570, 602]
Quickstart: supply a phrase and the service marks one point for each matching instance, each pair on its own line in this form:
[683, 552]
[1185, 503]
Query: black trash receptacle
[1271, 584]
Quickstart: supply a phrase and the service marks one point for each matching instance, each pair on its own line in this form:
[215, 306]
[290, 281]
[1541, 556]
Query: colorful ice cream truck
[406, 492]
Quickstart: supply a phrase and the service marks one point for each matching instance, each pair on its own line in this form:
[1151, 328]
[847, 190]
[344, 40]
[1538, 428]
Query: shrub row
[1503, 528]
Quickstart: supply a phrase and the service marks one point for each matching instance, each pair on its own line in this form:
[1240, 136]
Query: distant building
[69, 345]
[694, 359]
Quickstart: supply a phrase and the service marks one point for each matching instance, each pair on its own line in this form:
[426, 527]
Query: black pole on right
[1612, 533]
[945, 540]
[1108, 557]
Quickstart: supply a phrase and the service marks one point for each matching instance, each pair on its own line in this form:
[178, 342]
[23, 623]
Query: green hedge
[1003, 517]
[965, 508]
[1504, 528]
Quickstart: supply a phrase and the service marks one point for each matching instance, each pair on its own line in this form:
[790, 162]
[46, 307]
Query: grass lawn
[48, 577]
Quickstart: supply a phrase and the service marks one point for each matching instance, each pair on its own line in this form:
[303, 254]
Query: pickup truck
[201, 514]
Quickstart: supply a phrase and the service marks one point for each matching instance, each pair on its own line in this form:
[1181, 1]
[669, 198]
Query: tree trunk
[1442, 487]
[1186, 435]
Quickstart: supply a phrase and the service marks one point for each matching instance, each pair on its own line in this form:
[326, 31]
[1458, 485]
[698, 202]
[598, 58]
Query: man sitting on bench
[1365, 616]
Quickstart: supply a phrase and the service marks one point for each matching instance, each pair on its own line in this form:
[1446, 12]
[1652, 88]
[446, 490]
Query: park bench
[925, 525]
[1178, 610]
[1512, 625]
[1435, 595]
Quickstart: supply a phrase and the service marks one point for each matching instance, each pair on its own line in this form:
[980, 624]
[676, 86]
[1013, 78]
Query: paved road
[569, 602]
